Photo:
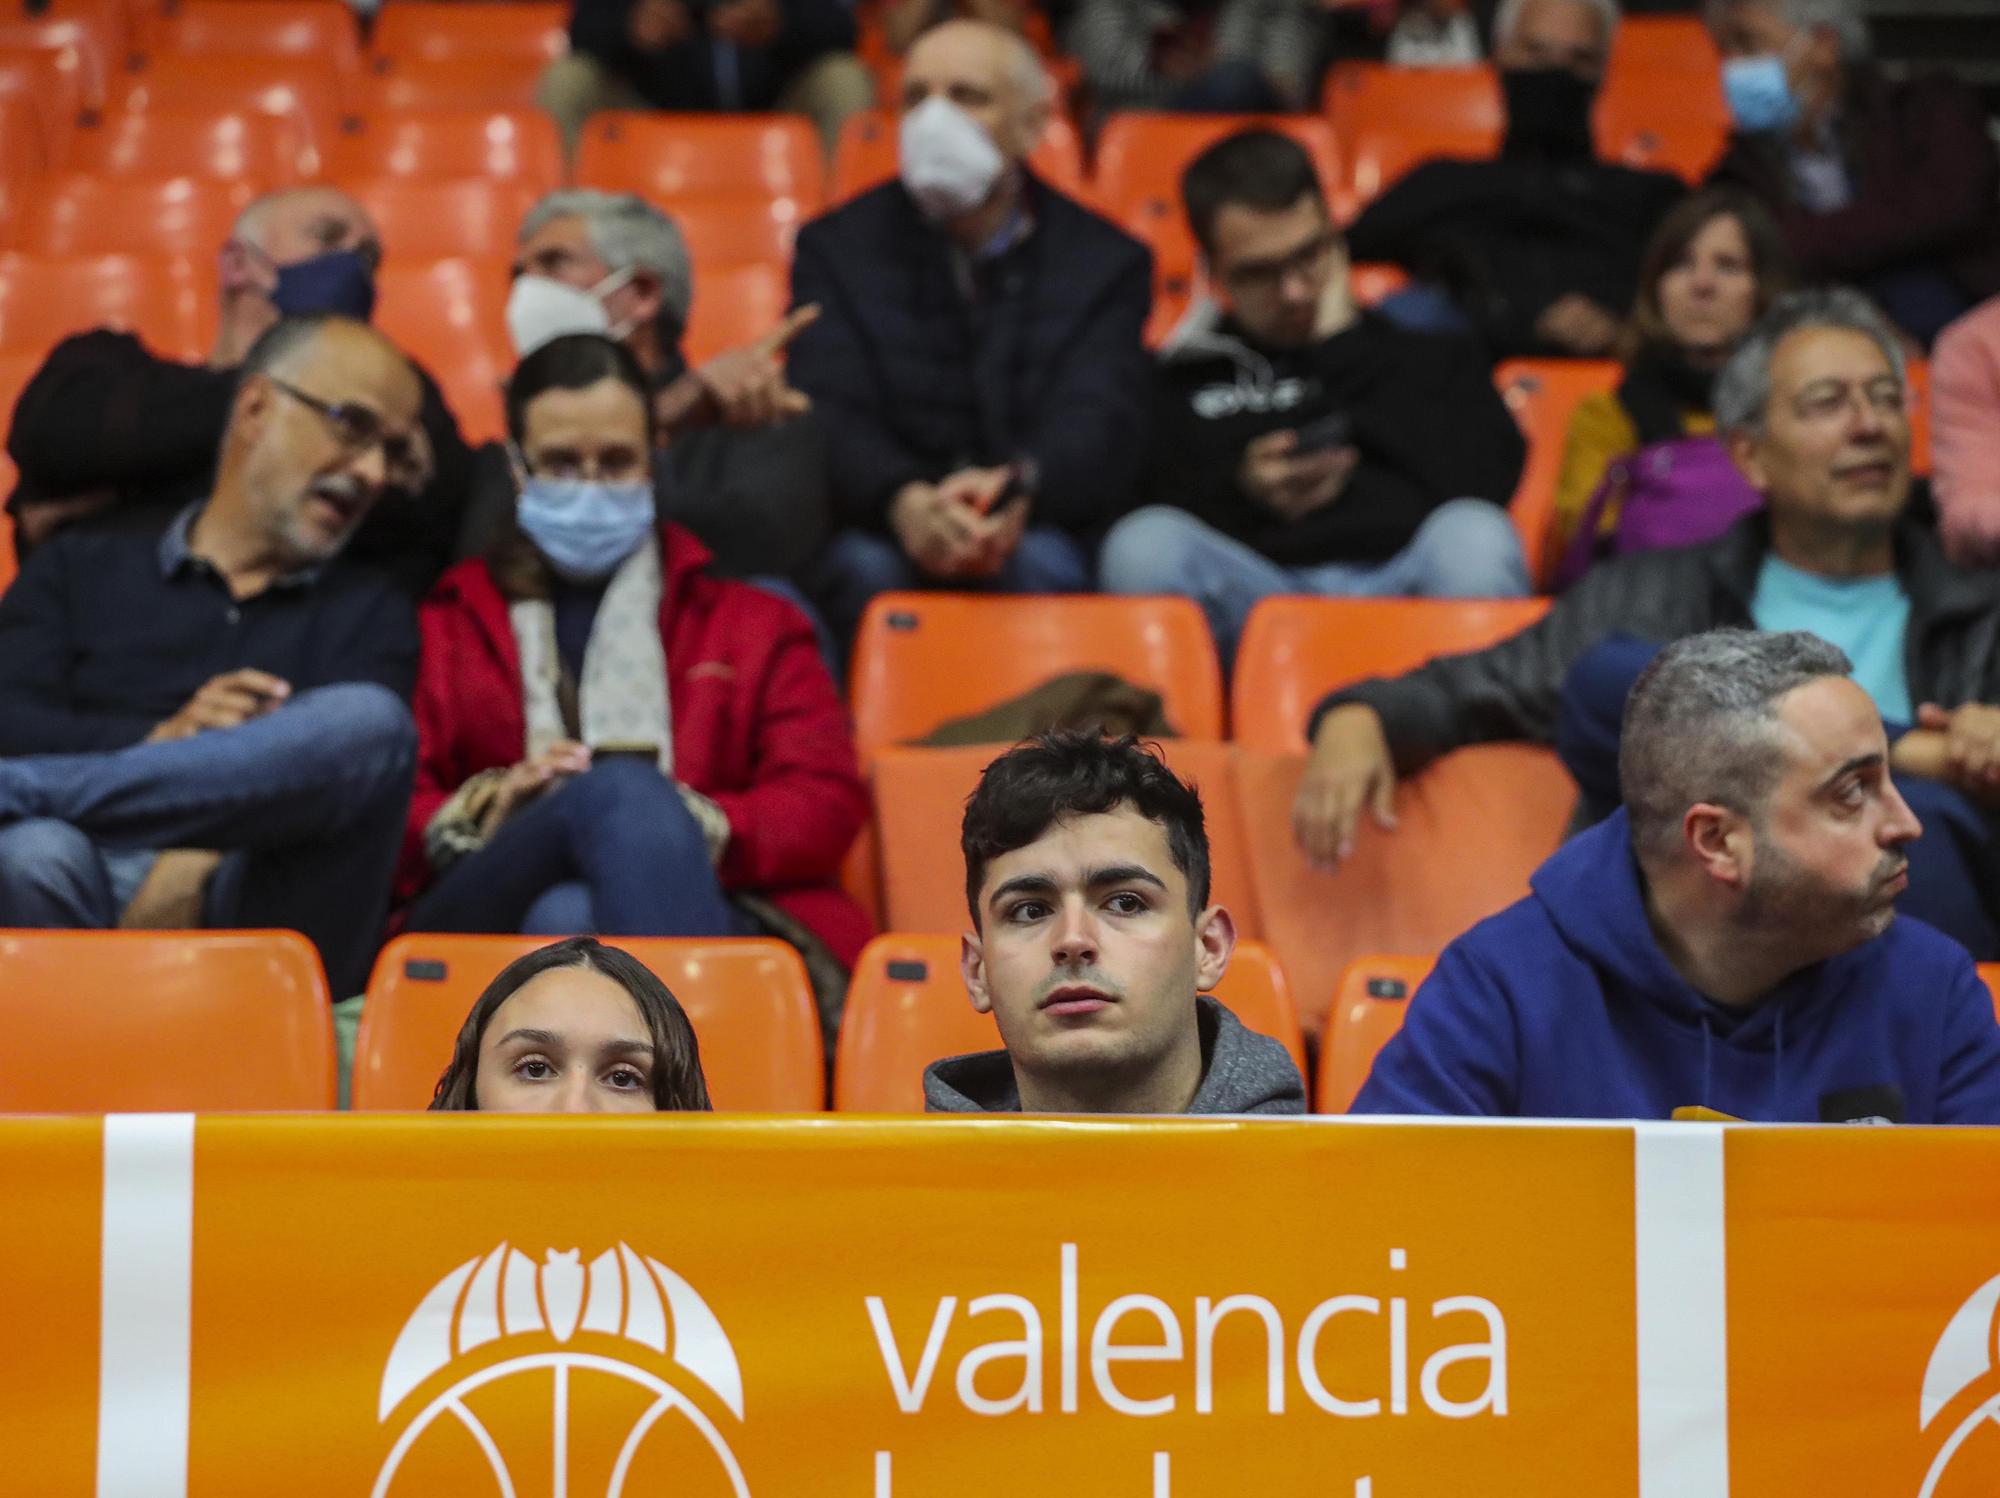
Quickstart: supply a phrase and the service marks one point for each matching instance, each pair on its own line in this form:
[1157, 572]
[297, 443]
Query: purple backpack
[1674, 493]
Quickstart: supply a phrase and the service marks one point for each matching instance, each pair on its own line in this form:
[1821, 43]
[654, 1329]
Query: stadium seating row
[167, 996]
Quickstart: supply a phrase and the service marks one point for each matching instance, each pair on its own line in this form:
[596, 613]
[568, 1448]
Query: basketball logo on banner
[1960, 1406]
[561, 1377]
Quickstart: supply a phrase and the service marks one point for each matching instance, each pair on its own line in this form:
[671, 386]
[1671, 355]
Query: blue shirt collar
[177, 554]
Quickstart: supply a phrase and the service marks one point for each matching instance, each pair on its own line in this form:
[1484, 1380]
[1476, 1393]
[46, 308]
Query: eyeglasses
[357, 428]
[1268, 275]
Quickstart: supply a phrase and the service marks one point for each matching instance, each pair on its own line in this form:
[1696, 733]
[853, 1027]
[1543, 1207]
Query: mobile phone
[648, 753]
[1335, 429]
[1018, 489]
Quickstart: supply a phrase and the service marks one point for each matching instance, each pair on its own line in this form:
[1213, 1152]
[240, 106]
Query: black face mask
[1548, 112]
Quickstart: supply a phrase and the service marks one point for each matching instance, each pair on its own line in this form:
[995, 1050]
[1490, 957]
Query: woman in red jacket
[613, 738]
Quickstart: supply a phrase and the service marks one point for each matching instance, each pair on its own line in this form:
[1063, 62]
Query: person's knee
[626, 800]
[830, 90]
[45, 857]
[1148, 552]
[572, 89]
[1471, 550]
[1048, 561]
[360, 725]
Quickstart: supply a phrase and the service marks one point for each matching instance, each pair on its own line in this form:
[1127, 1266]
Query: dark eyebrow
[549, 1040]
[1859, 762]
[533, 1037]
[1124, 873]
[1023, 884]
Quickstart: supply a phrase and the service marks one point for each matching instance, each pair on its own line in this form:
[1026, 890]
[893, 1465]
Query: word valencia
[1335, 1354]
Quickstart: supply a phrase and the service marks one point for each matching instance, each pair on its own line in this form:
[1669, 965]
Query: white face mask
[948, 163]
[541, 309]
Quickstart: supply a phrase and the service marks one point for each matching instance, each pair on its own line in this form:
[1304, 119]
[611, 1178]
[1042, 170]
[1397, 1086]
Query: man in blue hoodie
[1728, 939]
[1093, 944]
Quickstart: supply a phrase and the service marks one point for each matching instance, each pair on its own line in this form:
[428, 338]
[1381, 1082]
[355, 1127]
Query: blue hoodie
[1564, 1006]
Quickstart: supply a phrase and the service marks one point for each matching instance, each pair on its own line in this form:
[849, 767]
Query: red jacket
[758, 727]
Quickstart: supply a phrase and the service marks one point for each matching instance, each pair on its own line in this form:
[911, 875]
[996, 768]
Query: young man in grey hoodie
[1093, 943]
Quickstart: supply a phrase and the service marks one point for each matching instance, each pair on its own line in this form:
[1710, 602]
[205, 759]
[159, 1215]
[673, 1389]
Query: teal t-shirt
[1865, 616]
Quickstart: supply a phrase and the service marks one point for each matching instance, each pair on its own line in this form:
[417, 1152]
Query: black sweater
[1426, 420]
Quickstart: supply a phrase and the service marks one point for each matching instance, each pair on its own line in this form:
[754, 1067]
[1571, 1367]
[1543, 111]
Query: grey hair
[1701, 725]
[1509, 15]
[627, 233]
[1846, 19]
[1743, 388]
[1024, 70]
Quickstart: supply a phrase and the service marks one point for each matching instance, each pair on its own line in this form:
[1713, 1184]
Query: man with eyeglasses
[107, 422]
[226, 679]
[1301, 445]
[1813, 409]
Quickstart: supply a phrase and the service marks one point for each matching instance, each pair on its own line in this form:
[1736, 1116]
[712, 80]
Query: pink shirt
[1965, 435]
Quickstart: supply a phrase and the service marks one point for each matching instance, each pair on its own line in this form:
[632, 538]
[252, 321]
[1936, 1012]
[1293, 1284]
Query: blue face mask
[585, 527]
[339, 281]
[1758, 92]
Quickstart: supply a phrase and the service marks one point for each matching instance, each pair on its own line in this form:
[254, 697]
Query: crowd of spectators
[285, 651]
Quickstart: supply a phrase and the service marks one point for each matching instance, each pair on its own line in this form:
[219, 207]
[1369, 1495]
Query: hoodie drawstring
[1707, 1054]
[1778, 1069]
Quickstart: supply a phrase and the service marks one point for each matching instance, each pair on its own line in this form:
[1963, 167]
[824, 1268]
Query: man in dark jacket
[1890, 185]
[1538, 252]
[1301, 446]
[1813, 406]
[1729, 940]
[105, 422]
[225, 679]
[790, 55]
[977, 361]
[1086, 872]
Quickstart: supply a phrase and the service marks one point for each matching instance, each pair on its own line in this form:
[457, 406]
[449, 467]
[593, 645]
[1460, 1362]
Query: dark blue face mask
[340, 281]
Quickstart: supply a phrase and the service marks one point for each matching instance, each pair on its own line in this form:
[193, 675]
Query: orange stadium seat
[80, 44]
[502, 145]
[1989, 974]
[734, 304]
[423, 219]
[151, 1021]
[749, 1000]
[76, 213]
[1639, 134]
[498, 80]
[1388, 119]
[923, 658]
[1920, 416]
[50, 79]
[1296, 650]
[1140, 157]
[266, 150]
[920, 795]
[224, 83]
[166, 300]
[1543, 394]
[1368, 1008]
[1471, 829]
[907, 1007]
[16, 369]
[669, 156]
[738, 231]
[448, 30]
[320, 32]
[447, 315]
[865, 156]
[23, 153]
[1662, 43]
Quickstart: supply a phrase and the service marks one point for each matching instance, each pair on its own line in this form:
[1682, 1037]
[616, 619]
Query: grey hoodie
[1242, 1072]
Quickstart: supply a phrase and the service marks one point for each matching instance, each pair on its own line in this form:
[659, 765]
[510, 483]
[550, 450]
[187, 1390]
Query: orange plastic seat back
[15, 372]
[471, 217]
[1141, 155]
[43, 301]
[670, 156]
[920, 797]
[734, 304]
[737, 231]
[81, 45]
[1642, 126]
[23, 152]
[51, 80]
[449, 30]
[152, 1021]
[1296, 650]
[923, 658]
[1368, 1009]
[748, 999]
[500, 80]
[500, 145]
[1543, 395]
[1389, 119]
[448, 316]
[226, 83]
[265, 150]
[76, 213]
[1659, 42]
[319, 31]
[865, 155]
[907, 1007]
[1920, 416]
[1989, 974]
[1470, 830]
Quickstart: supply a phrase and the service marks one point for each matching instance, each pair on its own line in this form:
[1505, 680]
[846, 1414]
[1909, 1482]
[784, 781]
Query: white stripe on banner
[1683, 1311]
[142, 1376]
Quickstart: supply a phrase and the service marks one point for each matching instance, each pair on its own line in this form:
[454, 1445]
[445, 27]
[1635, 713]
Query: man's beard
[1787, 901]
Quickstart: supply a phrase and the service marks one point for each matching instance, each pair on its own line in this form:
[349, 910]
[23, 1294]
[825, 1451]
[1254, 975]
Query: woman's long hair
[1770, 261]
[678, 1085]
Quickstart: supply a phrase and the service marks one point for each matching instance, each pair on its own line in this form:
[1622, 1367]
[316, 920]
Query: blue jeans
[1466, 548]
[307, 802]
[859, 564]
[1234, 85]
[1954, 866]
[615, 852]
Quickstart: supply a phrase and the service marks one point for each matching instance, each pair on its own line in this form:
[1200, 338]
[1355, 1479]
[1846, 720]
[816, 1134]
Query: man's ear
[252, 406]
[1214, 942]
[972, 967]
[1719, 840]
[1746, 450]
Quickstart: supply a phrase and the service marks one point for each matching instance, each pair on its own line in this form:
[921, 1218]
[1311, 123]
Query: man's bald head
[990, 73]
[297, 223]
